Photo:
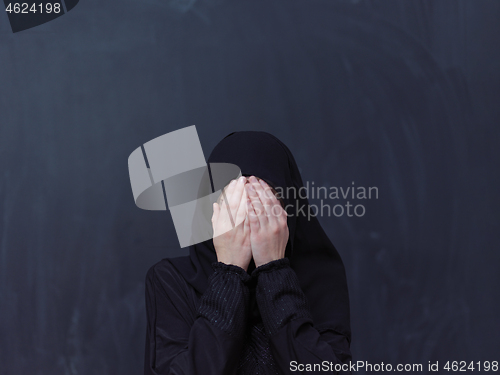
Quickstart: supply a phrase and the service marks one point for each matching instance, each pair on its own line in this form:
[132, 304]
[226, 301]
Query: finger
[215, 219]
[246, 223]
[237, 204]
[232, 196]
[266, 200]
[225, 221]
[222, 200]
[215, 215]
[269, 192]
[257, 204]
[241, 214]
[276, 209]
[253, 220]
[227, 193]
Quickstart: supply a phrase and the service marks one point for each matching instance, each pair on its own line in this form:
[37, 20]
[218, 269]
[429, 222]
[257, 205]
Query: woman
[264, 298]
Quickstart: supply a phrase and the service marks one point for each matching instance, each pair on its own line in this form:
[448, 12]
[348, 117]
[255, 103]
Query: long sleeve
[188, 338]
[288, 322]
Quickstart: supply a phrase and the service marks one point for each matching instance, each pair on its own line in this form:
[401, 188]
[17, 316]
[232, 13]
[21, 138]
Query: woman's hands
[260, 224]
[268, 223]
[232, 245]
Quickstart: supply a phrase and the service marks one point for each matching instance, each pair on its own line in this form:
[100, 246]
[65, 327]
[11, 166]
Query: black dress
[209, 318]
[220, 332]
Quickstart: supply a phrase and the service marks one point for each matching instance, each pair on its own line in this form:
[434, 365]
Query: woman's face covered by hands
[249, 222]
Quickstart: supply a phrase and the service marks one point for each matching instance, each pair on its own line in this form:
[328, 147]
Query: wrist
[265, 261]
[271, 266]
[233, 262]
[220, 267]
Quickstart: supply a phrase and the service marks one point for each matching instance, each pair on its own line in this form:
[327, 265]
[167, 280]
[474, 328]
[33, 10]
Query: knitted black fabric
[225, 302]
[256, 357]
[279, 295]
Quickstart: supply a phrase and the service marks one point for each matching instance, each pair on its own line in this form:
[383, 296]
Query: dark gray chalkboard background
[401, 95]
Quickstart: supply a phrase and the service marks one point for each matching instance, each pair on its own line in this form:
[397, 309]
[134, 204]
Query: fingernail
[241, 179]
[253, 179]
[250, 187]
[233, 183]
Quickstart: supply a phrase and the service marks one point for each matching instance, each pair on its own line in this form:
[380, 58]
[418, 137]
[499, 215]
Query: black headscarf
[312, 255]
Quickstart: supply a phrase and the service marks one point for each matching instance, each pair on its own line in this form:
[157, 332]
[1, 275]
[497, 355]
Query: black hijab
[312, 255]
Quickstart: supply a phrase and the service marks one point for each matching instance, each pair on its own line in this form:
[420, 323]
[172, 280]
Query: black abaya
[206, 317]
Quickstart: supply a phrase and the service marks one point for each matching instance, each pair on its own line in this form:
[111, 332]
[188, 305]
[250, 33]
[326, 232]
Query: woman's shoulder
[165, 272]
[166, 287]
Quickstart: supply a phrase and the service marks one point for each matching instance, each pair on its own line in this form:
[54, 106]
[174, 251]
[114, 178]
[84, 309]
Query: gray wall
[401, 95]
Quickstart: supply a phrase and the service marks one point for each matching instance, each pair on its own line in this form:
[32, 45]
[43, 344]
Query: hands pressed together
[249, 222]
